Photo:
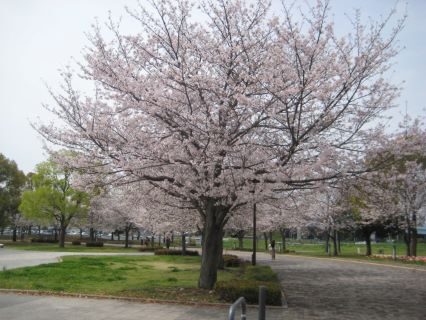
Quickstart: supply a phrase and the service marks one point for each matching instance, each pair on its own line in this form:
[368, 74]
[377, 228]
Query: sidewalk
[19, 307]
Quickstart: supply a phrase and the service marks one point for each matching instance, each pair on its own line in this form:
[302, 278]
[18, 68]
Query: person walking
[273, 249]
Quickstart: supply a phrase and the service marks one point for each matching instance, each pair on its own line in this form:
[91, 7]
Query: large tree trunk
[367, 238]
[62, 233]
[92, 235]
[14, 234]
[335, 251]
[413, 243]
[212, 245]
[126, 239]
[407, 240]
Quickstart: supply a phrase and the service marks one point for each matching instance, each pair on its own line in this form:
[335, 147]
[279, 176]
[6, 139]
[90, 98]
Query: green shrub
[230, 291]
[259, 273]
[94, 244]
[76, 243]
[230, 261]
[168, 252]
[248, 285]
[146, 249]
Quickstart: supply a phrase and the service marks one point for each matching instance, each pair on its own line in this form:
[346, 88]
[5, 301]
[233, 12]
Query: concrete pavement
[19, 307]
[334, 290]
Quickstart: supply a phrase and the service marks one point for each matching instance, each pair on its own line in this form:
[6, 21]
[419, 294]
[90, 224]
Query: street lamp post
[253, 256]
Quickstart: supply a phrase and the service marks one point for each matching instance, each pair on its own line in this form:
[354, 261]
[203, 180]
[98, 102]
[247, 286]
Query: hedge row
[251, 277]
[44, 240]
[169, 252]
[249, 289]
[94, 244]
[231, 261]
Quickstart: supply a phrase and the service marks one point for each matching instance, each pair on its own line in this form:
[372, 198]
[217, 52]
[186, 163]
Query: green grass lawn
[315, 248]
[153, 277]
[349, 250]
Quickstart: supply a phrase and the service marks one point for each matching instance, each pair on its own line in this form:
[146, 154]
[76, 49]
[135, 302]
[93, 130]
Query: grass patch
[350, 251]
[156, 277]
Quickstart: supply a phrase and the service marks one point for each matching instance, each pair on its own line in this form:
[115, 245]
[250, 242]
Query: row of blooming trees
[218, 115]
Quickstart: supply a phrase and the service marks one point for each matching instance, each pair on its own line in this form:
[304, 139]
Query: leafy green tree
[12, 181]
[53, 199]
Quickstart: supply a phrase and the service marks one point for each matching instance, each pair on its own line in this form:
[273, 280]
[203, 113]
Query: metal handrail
[240, 301]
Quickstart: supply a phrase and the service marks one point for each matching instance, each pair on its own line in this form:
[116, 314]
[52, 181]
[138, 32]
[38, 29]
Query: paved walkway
[329, 289]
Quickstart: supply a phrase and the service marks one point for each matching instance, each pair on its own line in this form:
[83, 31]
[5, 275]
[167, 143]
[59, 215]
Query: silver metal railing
[240, 302]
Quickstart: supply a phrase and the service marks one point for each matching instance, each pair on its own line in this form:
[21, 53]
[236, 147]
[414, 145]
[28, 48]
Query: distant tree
[52, 199]
[398, 190]
[119, 209]
[12, 181]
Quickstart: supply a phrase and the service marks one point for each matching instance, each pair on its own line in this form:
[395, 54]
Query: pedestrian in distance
[273, 249]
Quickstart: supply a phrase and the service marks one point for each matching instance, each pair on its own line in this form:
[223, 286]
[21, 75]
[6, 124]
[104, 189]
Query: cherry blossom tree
[403, 180]
[243, 104]
[120, 209]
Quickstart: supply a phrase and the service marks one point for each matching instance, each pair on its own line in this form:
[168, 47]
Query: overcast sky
[38, 37]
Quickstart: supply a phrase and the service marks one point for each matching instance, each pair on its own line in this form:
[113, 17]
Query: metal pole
[262, 303]
[253, 256]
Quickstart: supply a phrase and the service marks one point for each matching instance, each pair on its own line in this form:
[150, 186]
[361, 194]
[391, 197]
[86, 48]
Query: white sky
[38, 37]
